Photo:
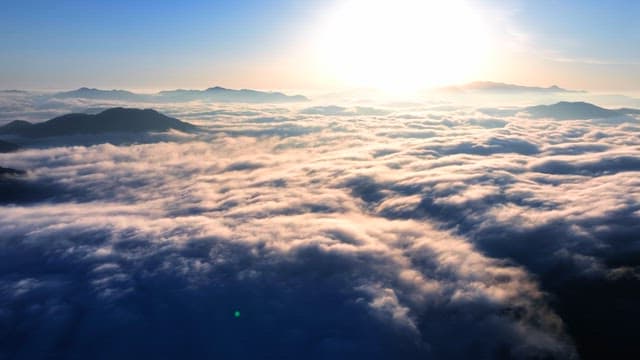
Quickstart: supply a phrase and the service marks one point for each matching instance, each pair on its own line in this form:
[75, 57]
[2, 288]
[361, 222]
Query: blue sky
[196, 43]
[603, 31]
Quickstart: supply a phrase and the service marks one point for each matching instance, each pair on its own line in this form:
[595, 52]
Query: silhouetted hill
[496, 87]
[4, 172]
[628, 111]
[112, 120]
[15, 126]
[229, 95]
[6, 146]
[98, 94]
[565, 110]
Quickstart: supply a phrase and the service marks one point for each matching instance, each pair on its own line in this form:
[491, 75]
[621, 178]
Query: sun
[402, 45]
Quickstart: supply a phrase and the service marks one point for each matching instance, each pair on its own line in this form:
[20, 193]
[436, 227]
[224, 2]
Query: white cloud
[338, 236]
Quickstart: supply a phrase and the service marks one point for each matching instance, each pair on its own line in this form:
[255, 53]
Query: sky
[285, 44]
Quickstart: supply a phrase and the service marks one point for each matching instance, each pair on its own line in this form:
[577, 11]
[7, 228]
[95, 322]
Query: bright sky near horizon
[287, 44]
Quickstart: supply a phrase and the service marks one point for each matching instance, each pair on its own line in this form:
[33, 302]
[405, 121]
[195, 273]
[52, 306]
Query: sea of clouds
[390, 231]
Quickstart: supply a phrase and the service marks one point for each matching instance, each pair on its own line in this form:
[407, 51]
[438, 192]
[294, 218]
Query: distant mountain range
[10, 91]
[98, 94]
[216, 94]
[229, 95]
[565, 110]
[108, 121]
[502, 88]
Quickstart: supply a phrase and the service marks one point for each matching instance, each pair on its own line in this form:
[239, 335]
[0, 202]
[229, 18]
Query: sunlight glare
[402, 45]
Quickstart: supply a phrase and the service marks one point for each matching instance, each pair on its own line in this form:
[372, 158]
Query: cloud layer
[335, 231]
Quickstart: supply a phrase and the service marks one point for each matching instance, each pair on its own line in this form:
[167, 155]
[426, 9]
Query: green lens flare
[236, 313]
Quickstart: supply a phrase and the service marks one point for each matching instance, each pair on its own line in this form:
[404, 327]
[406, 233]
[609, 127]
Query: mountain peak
[108, 121]
[217, 88]
[568, 110]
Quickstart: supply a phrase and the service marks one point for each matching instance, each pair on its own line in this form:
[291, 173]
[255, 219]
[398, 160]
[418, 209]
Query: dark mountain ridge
[108, 121]
[579, 110]
[6, 146]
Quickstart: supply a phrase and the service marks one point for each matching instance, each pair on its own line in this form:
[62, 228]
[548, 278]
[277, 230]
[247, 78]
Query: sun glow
[402, 45]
